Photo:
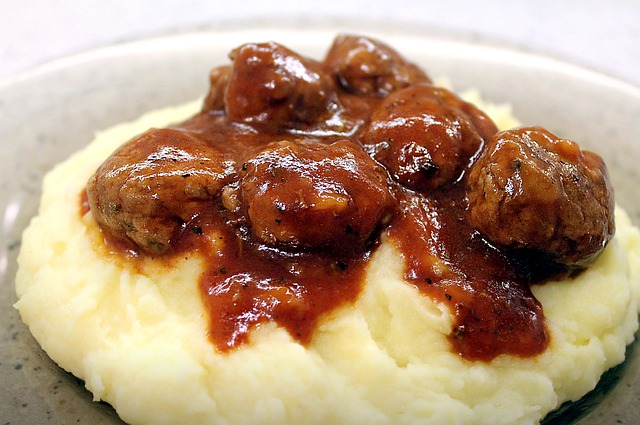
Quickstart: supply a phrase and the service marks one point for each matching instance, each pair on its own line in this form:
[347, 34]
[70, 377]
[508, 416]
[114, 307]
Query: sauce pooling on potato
[294, 169]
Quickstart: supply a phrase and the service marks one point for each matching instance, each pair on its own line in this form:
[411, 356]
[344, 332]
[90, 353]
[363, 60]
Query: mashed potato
[138, 335]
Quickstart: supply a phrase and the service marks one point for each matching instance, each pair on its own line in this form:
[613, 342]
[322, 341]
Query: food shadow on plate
[611, 385]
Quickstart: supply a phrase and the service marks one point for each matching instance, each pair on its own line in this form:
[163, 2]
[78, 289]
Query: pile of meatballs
[300, 155]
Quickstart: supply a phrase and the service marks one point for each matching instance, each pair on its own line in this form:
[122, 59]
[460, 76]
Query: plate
[50, 112]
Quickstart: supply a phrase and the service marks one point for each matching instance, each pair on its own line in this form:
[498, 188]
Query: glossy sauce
[446, 259]
[248, 282]
[246, 286]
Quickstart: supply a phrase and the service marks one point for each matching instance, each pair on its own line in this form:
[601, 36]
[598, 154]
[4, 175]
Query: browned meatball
[426, 136]
[273, 86]
[361, 65]
[152, 186]
[533, 190]
[218, 80]
[313, 195]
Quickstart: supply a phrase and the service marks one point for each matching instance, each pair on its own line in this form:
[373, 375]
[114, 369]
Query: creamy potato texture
[137, 334]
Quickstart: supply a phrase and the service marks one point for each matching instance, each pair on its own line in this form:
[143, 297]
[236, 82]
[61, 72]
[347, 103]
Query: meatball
[272, 86]
[534, 191]
[426, 136]
[146, 192]
[218, 80]
[311, 195]
[364, 66]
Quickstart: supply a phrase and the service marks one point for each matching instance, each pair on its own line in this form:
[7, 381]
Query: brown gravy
[248, 283]
[251, 279]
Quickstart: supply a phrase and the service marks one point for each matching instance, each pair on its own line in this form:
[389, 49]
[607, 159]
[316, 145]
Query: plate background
[52, 111]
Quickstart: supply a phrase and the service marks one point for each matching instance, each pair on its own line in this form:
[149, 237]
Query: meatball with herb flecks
[365, 66]
[149, 189]
[311, 195]
[426, 136]
[273, 87]
[535, 191]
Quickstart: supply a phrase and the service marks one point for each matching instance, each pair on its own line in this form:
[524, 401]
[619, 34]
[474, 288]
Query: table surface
[602, 35]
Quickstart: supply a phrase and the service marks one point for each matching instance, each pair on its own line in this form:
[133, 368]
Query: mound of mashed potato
[138, 338]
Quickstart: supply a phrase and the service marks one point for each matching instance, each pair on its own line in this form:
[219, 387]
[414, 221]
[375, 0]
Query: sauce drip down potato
[297, 168]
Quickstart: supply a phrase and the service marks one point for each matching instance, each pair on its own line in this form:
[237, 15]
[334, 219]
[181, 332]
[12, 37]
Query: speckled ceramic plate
[52, 111]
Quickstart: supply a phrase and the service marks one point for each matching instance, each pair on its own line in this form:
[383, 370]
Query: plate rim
[336, 25]
[158, 40]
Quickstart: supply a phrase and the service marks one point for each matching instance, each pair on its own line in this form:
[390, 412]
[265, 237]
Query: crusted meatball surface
[149, 189]
[365, 66]
[314, 195]
[426, 136]
[533, 190]
[272, 87]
